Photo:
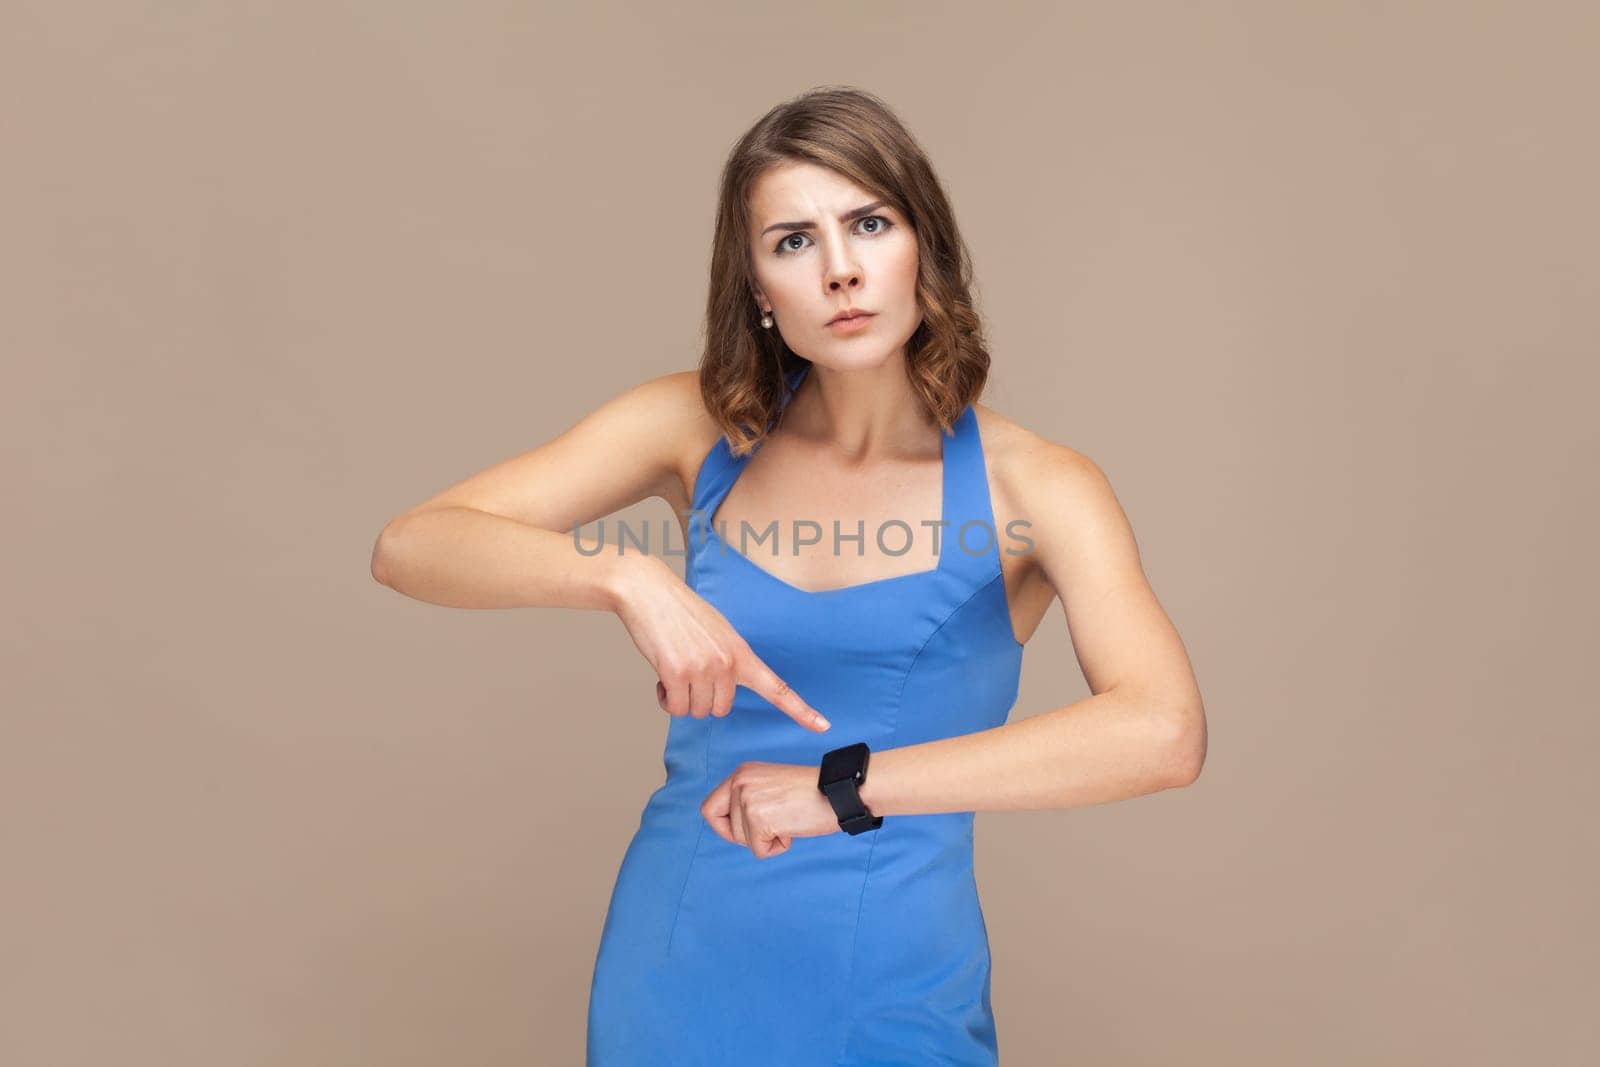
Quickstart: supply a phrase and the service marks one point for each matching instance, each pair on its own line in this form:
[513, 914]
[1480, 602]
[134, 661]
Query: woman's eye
[882, 226]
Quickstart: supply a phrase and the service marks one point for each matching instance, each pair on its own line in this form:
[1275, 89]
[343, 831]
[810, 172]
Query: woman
[780, 904]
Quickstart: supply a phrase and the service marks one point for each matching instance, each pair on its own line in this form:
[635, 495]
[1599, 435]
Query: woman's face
[820, 244]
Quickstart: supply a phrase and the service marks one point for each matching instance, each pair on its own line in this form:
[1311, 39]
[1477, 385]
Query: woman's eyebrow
[854, 213]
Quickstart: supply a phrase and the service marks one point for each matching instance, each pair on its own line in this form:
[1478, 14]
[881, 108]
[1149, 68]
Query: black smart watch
[843, 771]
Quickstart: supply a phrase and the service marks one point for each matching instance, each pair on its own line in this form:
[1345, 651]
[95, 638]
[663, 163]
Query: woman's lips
[851, 325]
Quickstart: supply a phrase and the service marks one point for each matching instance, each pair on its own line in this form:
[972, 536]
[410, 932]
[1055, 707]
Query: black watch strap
[840, 777]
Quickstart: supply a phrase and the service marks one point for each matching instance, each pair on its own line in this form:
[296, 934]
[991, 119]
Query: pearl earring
[766, 321]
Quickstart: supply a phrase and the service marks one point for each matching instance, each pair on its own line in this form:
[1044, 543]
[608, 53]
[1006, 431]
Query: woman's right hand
[699, 658]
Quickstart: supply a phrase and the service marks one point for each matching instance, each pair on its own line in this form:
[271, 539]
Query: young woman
[800, 890]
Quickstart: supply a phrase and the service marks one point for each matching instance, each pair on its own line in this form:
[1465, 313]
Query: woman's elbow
[385, 552]
[1186, 753]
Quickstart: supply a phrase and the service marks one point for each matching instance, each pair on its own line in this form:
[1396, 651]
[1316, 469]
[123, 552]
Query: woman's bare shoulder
[1021, 460]
[693, 430]
[1060, 492]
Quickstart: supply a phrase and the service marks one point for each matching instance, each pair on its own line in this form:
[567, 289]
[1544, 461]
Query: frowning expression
[820, 244]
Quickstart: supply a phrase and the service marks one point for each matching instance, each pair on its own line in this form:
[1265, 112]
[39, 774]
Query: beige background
[1313, 282]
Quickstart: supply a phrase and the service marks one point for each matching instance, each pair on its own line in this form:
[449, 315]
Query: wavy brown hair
[744, 367]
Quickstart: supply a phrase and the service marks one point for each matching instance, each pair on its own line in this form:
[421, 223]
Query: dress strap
[720, 468]
[970, 544]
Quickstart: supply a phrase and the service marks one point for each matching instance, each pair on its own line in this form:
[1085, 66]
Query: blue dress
[841, 951]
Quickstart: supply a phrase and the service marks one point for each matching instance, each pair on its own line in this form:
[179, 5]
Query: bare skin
[852, 446]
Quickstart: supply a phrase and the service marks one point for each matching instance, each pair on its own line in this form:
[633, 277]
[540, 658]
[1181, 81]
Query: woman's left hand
[764, 806]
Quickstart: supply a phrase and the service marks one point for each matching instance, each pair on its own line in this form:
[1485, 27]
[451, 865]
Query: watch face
[847, 762]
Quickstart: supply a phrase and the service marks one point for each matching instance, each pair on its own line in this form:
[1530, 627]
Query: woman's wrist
[621, 576]
[876, 792]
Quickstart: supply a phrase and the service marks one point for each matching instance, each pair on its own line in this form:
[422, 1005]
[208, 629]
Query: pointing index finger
[761, 678]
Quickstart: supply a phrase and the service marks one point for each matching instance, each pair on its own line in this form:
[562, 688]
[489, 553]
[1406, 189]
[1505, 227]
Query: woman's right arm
[503, 538]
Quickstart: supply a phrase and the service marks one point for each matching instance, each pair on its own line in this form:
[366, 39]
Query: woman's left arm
[1143, 730]
[1144, 727]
